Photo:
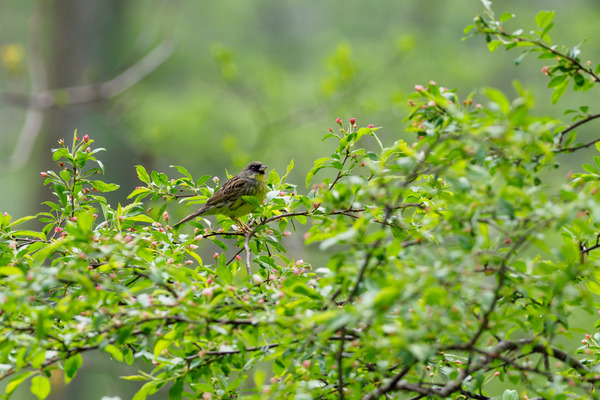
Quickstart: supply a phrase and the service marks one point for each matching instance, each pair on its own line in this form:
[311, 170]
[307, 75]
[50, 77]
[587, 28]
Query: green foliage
[454, 263]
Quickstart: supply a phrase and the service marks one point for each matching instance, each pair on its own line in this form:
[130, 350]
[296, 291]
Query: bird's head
[255, 169]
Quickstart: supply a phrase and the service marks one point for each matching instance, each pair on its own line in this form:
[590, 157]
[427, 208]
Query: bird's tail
[186, 219]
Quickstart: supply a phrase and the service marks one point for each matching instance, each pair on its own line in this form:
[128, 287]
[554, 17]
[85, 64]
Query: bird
[228, 199]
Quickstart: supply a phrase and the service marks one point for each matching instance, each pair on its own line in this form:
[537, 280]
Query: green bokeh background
[248, 80]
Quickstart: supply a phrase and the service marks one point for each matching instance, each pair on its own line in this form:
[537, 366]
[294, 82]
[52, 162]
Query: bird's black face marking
[257, 166]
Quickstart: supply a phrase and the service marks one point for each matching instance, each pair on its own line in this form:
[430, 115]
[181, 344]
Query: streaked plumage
[228, 199]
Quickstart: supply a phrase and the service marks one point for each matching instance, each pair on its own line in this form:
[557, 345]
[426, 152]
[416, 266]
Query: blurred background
[213, 85]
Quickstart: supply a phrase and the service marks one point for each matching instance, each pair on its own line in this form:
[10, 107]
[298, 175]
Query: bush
[454, 263]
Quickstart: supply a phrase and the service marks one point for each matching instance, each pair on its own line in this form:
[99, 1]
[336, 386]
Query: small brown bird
[228, 200]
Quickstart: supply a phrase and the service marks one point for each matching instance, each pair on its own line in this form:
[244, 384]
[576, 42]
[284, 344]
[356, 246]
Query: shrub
[455, 258]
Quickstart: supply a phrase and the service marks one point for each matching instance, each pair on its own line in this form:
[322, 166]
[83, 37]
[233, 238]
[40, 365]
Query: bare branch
[94, 92]
[33, 118]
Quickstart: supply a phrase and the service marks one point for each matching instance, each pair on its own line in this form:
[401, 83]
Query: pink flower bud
[166, 216]
[431, 103]
[306, 363]
[330, 130]
[216, 255]
[371, 126]
[58, 229]
[86, 138]
[287, 233]
[432, 83]
[352, 121]
[419, 88]
[338, 121]
[237, 257]
[44, 174]
[545, 70]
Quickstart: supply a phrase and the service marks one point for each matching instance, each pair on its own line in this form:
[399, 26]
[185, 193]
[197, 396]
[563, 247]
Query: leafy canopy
[454, 261]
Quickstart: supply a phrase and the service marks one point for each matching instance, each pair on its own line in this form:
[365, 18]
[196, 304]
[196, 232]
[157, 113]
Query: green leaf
[140, 218]
[362, 132]
[34, 234]
[289, 168]
[145, 391]
[176, 391]
[139, 191]
[202, 180]
[303, 290]
[434, 295]
[114, 351]
[273, 178]
[493, 45]
[319, 163]
[499, 98]
[104, 187]
[16, 381]
[543, 18]
[557, 80]
[21, 220]
[142, 174]
[593, 287]
[71, 366]
[597, 161]
[59, 153]
[590, 168]
[224, 273]
[252, 200]
[510, 395]
[182, 170]
[506, 16]
[10, 270]
[259, 378]
[40, 386]
[559, 91]
[134, 378]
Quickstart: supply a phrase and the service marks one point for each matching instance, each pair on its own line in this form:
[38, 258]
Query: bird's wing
[228, 192]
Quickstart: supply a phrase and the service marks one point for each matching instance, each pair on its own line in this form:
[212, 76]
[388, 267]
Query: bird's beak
[262, 168]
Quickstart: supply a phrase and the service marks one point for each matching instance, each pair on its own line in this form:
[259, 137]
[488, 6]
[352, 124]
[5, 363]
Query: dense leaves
[454, 261]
